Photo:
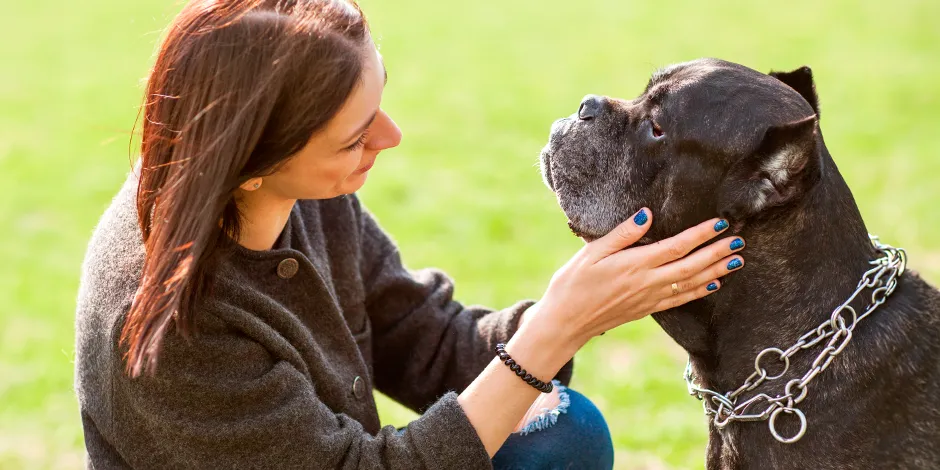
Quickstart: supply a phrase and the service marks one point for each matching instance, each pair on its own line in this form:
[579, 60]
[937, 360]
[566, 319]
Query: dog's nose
[591, 107]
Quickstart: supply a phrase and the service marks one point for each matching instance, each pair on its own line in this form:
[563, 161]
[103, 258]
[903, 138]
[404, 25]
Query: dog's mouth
[558, 130]
[545, 163]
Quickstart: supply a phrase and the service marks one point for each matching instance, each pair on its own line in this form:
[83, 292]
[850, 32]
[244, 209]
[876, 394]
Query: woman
[238, 304]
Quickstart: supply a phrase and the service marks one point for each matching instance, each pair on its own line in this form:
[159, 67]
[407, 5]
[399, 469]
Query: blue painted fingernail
[721, 225]
[711, 287]
[734, 264]
[640, 218]
[737, 244]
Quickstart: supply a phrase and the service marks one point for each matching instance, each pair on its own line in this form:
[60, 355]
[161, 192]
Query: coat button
[359, 387]
[287, 268]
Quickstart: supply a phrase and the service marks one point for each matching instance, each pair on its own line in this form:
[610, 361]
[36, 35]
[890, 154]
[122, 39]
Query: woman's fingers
[705, 262]
[673, 248]
[703, 278]
[624, 235]
[682, 298]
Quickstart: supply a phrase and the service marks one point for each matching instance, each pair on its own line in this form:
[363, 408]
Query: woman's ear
[251, 184]
[784, 167]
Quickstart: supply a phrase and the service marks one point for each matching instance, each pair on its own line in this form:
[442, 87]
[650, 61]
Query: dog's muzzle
[558, 130]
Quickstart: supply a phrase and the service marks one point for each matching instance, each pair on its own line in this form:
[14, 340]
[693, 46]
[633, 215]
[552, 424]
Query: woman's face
[337, 159]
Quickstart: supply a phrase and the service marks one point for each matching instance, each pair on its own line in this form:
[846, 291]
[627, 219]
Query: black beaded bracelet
[518, 370]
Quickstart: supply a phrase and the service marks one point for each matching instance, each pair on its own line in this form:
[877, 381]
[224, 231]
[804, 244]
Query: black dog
[711, 138]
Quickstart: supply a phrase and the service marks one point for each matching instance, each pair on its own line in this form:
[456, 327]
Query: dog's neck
[801, 262]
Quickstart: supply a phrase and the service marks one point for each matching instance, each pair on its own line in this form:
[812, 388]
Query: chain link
[836, 331]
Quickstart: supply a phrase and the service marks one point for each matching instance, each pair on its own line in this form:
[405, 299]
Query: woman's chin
[355, 181]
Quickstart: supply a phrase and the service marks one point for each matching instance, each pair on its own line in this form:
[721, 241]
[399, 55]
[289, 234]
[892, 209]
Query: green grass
[474, 86]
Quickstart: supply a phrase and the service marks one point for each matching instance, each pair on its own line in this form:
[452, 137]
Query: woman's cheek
[346, 171]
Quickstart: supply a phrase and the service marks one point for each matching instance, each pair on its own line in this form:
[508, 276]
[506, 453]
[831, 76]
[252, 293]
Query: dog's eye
[656, 131]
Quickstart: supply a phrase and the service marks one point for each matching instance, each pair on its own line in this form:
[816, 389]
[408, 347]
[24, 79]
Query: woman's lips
[366, 168]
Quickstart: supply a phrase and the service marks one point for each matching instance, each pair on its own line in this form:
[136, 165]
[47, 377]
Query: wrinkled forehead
[726, 104]
[678, 76]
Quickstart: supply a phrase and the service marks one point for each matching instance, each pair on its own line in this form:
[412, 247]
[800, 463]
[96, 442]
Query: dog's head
[705, 138]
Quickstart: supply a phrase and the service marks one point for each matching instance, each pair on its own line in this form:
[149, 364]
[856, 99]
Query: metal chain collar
[883, 278]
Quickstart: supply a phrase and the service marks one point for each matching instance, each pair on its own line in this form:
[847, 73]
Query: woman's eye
[656, 131]
[358, 143]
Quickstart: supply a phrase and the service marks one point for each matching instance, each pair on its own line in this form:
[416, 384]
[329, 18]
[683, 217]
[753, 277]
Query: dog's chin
[589, 237]
[581, 233]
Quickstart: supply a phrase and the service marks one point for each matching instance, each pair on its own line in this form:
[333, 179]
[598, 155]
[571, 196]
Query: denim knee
[575, 435]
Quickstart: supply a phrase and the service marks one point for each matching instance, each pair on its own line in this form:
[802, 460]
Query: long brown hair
[238, 86]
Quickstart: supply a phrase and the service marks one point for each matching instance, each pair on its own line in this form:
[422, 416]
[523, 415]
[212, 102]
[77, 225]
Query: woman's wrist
[498, 399]
[541, 345]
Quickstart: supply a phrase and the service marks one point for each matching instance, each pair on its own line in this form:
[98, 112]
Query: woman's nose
[384, 133]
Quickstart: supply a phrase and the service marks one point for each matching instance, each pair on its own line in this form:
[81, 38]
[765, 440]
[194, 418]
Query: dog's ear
[785, 166]
[801, 80]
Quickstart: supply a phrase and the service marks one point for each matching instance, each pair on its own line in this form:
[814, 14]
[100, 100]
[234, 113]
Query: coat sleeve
[202, 409]
[426, 343]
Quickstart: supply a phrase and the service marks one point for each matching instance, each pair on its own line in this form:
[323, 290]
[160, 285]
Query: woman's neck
[264, 216]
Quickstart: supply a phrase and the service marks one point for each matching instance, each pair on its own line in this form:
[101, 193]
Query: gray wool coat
[289, 350]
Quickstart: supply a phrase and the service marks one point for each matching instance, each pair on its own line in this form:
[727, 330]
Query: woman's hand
[605, 285]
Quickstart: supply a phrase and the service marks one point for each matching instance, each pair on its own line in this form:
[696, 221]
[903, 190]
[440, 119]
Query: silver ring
[675, 288]
[773, 428]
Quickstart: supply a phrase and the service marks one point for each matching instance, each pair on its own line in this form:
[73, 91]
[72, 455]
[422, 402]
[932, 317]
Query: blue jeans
[573, 436]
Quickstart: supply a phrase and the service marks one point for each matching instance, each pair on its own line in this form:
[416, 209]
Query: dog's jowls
[712, 138]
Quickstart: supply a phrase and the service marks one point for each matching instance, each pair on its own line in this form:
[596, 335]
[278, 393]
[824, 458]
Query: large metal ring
[773, 429]
[762, 371]
[675, 288]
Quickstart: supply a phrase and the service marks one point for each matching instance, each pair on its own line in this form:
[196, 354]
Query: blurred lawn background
[474, 86]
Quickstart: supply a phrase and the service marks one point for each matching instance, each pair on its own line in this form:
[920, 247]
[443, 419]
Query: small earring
[257, 185]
